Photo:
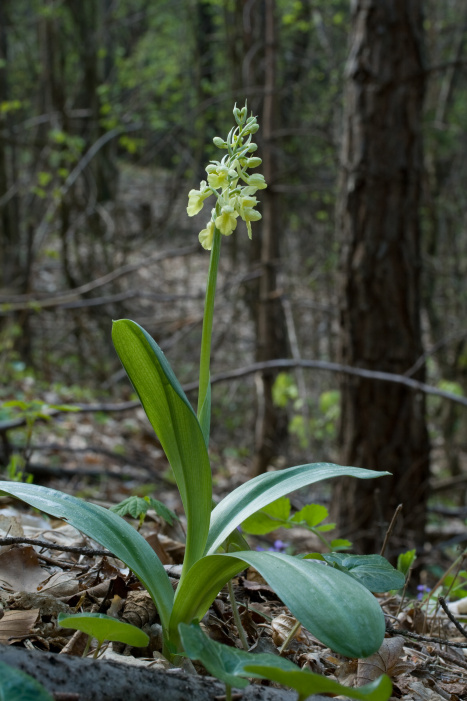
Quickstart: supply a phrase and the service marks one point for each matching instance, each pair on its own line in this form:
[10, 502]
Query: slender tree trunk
[382, 426]
[10, 271]
[270, 324]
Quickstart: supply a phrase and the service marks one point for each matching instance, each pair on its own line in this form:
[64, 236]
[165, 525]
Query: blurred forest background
[107, 113]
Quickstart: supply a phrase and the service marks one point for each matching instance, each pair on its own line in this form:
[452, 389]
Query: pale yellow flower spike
[223, 177]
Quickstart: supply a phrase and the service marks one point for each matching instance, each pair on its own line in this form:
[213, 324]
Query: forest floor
[423, 653]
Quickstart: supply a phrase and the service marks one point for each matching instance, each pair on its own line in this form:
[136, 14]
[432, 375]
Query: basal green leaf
[232, 665]
[373, 571]
[16, 685]
[312, 514]
[262, 490]
[175, 424]
[224, 662]
[107, 529]
[334, 607]
[103, 627]
[307, 683]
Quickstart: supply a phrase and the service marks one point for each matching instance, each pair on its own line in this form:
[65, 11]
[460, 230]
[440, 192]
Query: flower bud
[252, 148]
[252, 128]
[240, 115]
[253, 162]
[220, 143]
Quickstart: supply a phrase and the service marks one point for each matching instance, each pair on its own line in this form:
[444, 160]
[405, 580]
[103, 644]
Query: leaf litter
[38, 583]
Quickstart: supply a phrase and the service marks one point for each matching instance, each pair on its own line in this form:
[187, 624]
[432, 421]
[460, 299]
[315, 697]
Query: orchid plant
[331, 603]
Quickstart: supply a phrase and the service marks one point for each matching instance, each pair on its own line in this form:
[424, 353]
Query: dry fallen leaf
[386, 661]
[20, 570]
[419, 692]
[60, 584]
[282, 627]
[16, 625]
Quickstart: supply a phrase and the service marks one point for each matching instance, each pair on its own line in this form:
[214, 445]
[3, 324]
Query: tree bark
[269, 317]
[382, 427]
[101, 680]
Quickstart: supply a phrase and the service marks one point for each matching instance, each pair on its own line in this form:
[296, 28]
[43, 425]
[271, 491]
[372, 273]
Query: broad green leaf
[405, 561]
[260, 491]
[224, 662]
[325, 527]
[231, 665]
[339, 543]
[162, 510]
[373, 571]
[334, 607]
[307, 683]
[107, 529]
[136, 506]
[16, 685]
[312, 514]
[103, 627]
[133, 506]
[175, 424]
[269, 518]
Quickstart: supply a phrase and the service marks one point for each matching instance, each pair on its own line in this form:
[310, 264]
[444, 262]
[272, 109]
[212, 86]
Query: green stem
[205, 357]
[236, 615]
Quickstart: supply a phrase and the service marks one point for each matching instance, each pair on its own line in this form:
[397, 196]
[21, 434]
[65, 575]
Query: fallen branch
[34, 302]
[104, 680]
[285, 363]
[89, 552]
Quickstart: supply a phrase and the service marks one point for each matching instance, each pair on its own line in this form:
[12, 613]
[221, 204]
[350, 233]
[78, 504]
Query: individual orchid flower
[227, 221]
[206, 236]
[196, 199]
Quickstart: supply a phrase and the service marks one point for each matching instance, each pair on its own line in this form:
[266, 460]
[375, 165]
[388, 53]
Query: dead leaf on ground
[386, 661]
[282, 627]
[20, 570]
[60, 584]
[16, 625]
[10, 526]
[419, 692]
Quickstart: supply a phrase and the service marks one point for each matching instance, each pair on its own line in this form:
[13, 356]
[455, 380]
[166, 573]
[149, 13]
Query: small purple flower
[422, 589]
[279, 546]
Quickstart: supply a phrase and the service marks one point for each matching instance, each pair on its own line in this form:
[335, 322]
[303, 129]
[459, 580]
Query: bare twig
[20, 302]
[425, 638]
[390, 528]
[461, 629]
[90, 552]
[259, 367]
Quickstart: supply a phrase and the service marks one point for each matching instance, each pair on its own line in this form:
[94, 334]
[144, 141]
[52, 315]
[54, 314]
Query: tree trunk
[269, 318]
[382, 425]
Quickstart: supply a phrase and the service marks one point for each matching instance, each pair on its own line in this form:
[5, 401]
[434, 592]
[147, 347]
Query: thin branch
[460, 628]
[90, 552]
[261, 367]
[34, 302]
[425, 638]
